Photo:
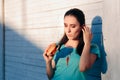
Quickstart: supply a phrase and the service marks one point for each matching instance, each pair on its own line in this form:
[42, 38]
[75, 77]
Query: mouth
[69, 35]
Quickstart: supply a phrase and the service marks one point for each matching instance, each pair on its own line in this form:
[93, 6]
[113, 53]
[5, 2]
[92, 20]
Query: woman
[76, 55]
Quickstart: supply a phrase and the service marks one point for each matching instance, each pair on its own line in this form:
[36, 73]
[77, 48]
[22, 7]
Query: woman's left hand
[87, 35]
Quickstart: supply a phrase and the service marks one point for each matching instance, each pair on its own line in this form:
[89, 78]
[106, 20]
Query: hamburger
[52, 49]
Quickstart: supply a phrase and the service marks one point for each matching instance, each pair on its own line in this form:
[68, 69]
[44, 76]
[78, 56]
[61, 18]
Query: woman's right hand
[48, 58]
[49, 62]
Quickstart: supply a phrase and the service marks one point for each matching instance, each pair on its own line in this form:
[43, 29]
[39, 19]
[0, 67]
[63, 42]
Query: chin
[71, 38]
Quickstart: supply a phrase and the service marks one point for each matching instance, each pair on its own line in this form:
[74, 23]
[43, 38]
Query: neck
[72, 43]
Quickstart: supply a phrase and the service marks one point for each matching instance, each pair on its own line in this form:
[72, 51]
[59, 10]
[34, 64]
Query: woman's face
[72, 27]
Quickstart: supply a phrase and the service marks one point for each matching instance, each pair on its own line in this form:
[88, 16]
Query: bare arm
[49, 70]
[87, 59]
[50, 64]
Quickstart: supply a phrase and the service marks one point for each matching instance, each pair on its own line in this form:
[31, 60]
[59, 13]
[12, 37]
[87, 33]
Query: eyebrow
[70, 24]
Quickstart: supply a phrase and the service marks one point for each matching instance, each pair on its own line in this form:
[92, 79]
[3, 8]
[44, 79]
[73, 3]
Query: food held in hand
[52, 49]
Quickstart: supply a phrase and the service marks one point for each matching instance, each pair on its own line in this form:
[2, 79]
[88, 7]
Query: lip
[69, 35]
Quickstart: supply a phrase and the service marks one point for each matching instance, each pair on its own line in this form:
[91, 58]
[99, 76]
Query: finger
[46, 50]
[50, 57]
[87, 29]
[90, 31]
[45, 55]
[83, 30]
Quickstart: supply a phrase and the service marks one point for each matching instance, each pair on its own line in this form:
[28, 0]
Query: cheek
[77, 33]
[65, 31]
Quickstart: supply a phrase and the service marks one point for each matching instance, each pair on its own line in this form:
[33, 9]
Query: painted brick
[31, 25]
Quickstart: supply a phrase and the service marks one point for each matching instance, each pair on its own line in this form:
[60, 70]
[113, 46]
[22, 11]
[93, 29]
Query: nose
[68, 30]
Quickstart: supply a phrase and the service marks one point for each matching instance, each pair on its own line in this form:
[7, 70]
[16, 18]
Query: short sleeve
[63, 52]
[95, 50]
[56, 57]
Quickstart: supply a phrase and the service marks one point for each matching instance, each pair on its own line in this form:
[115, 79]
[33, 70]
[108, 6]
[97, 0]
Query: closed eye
[73, 26]
[65, 25]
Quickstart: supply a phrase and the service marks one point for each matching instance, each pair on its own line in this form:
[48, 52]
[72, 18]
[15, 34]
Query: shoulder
[94, 49]
[93, 45]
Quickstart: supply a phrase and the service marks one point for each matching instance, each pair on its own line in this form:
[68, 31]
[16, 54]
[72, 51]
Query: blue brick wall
[23, 60]
[1, 52]
[39, 22]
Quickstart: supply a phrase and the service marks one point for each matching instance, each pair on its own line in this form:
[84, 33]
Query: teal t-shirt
[67, 65]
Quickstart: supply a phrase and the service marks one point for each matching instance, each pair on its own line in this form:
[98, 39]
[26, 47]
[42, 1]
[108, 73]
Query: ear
[82, 26]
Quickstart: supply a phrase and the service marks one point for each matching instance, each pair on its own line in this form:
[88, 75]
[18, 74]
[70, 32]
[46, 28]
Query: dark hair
[79, 15]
